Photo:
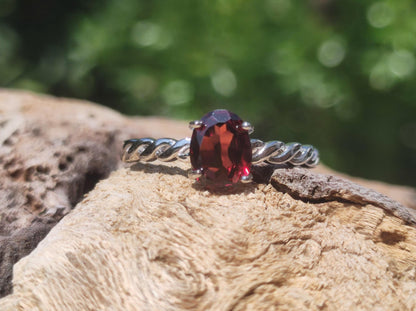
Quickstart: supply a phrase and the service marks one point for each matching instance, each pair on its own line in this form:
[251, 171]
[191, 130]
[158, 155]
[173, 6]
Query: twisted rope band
[168, 149]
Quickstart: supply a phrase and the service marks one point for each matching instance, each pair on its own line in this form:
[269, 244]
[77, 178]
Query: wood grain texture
[52, 152]
[148, 238]
[305, 185]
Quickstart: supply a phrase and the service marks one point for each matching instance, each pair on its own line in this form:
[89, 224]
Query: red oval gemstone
[221, 148]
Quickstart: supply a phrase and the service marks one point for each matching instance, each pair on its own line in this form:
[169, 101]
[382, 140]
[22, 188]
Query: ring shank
[169, 149]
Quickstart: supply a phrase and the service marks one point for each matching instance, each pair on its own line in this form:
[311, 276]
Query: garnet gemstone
[221, 148]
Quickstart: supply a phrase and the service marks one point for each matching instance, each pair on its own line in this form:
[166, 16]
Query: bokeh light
[331, 53]
[380, 14]
[340, 75]
[177, 92]
[224, 81]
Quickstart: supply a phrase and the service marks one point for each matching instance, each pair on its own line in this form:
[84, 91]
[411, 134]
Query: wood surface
[148, 238]
[52, 152]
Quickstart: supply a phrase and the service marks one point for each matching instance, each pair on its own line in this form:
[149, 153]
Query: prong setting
[195, 124]
[246, 179]
[247, 126]
[195, 174]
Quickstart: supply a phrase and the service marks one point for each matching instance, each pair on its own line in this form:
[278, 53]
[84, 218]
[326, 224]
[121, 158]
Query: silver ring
[220, 130]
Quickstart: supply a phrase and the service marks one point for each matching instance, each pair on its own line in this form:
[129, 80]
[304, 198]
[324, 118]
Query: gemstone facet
[221, 148]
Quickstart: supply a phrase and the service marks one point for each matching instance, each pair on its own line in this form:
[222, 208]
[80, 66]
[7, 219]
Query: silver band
[169, 149]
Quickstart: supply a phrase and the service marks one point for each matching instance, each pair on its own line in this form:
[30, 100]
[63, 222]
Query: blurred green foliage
[337, 74]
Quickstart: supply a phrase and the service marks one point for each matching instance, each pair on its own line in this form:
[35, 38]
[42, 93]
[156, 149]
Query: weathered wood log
[52, 152]
[148, 238]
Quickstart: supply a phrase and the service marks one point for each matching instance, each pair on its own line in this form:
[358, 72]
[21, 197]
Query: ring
[220, 150]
